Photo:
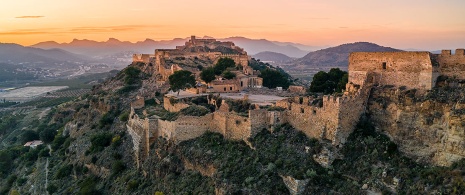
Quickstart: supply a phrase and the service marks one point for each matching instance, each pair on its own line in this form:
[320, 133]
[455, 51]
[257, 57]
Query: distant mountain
[338, 56]
[112, 45]
[254, 46]
[14, 53]
[272, 57]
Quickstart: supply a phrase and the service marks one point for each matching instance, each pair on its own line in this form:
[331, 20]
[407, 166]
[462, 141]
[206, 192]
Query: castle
[331, 118]
[203, 53]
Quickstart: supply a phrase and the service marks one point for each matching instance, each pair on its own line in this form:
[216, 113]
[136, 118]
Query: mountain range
[112, 45]
[14, 53]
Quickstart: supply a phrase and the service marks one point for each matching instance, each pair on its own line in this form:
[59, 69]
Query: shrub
[64, 171]
[195, 111]
[133, 184]
[117, 167]
[124, 116]
[99, 141]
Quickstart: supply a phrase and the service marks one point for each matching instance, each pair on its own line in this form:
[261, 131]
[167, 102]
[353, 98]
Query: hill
[254, 46]
[269, 56]
[15, 53]
[338, 56]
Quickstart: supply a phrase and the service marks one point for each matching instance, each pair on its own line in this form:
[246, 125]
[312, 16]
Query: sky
[404, 24]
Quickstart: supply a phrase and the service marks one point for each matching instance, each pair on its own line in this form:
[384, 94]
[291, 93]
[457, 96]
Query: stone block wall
[452, 65]
[410, 69]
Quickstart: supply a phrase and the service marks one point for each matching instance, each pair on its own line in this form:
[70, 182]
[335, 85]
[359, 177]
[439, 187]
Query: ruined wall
[351, 107]
[296, 89]
[190, 127]
[176, 106]
[314, 121]
[410, 69]
[452, 65]
[232, 126]
[141, 58]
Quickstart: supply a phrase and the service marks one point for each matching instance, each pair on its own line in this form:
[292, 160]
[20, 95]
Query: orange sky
[422, 24]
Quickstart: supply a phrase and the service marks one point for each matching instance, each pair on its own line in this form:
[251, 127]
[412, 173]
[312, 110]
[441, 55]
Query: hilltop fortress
[331, 118]
[194, 56]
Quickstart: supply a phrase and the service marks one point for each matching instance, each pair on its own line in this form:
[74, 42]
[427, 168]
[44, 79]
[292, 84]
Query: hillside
[272, 57]
[339, 55]
[15, 53]
[254, 46]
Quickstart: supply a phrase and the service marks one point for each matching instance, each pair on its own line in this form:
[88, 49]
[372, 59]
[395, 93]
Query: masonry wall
[409, 69]
[452, 65]
[190, 127]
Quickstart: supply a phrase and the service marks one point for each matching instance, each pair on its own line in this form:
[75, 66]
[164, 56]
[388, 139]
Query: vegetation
[239, 106]
[208, 75]
[228, 75]
[195, 110]
[223, 64]
[333, 81]
[181, 80]
[273, 78]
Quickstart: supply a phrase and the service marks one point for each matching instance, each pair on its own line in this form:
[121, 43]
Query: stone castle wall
[452, 65]
[409, 69]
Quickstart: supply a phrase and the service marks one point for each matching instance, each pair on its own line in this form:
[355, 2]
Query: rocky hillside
[339, 55]
[427, 127]
[88, 151]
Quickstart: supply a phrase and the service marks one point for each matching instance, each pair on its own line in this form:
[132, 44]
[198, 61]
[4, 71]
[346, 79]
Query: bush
[117, 167]
[100, 141]
[195, 111]
[64, 171]
[124, 116]
[132, 185]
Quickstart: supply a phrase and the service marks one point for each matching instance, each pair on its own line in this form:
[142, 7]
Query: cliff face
[429, 127]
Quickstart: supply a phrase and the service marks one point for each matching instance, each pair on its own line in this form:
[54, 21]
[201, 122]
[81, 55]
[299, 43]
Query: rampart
[409, 69]
[452, 65]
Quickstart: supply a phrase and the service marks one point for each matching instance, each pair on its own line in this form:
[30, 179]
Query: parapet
[446, 52]
[460, 52]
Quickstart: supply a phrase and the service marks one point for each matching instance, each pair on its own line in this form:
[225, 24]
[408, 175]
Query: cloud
[29, 17]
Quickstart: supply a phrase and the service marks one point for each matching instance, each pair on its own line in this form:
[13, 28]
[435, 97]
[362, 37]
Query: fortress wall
[410, 69]
[176, 107]
[314, 121]
[350, 110]
[259, 120]
[141, 58]
[190, 127]
[231, 125]
[452, 65]
[166, 129]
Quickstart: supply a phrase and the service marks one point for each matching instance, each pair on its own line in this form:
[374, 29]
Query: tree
[47, 135]
[181, 79]
[223, 64]
[273, 79]
[228, 74]
[333, 81]
[29, 135]
[208, 75]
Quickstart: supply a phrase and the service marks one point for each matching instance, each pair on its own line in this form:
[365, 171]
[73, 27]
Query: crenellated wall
[452, 65]
[409, 69]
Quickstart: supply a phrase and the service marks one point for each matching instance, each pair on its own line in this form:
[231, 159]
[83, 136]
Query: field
[28, 93]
